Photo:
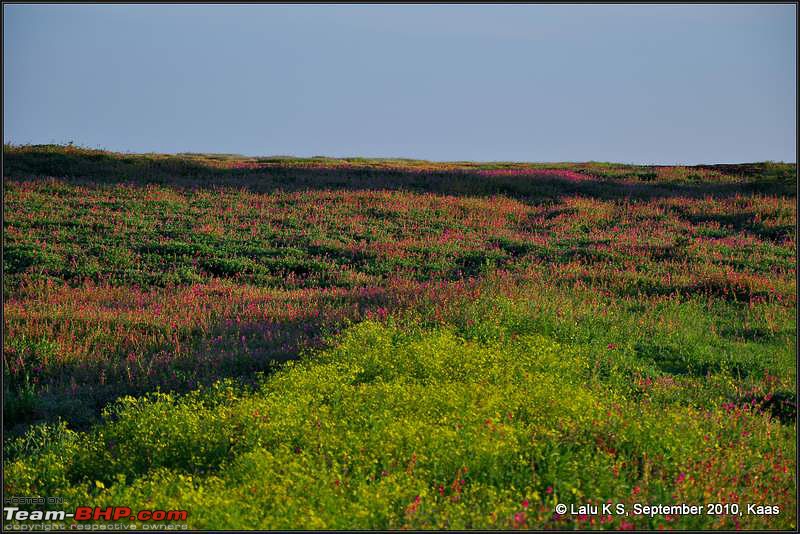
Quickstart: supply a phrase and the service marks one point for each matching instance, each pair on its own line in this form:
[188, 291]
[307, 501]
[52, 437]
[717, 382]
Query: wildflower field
[276, 343]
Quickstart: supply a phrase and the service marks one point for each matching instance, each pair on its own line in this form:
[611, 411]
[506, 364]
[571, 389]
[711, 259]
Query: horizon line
[233, 155]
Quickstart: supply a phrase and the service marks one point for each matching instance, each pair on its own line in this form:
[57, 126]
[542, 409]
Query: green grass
[475, 417]
[281, 343]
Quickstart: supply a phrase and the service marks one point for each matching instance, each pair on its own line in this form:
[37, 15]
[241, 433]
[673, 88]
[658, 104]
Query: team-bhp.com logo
[87, 513]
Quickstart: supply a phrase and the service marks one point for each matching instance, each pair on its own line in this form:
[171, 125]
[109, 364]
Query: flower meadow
[277, 343]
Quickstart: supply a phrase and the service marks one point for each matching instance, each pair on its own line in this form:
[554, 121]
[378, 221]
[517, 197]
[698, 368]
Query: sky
[658, 84]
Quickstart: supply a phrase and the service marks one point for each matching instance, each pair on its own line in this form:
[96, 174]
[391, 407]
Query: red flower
[549, 489]
[525, 503]
[412, 508]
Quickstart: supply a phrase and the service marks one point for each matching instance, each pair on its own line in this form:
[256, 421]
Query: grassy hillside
[477, 342]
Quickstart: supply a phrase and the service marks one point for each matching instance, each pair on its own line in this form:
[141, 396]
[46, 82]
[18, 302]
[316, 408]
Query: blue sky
[636, 84]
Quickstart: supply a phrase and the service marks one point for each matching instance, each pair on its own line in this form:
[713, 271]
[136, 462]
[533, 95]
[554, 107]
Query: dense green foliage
[478, 342]
[475, 418]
